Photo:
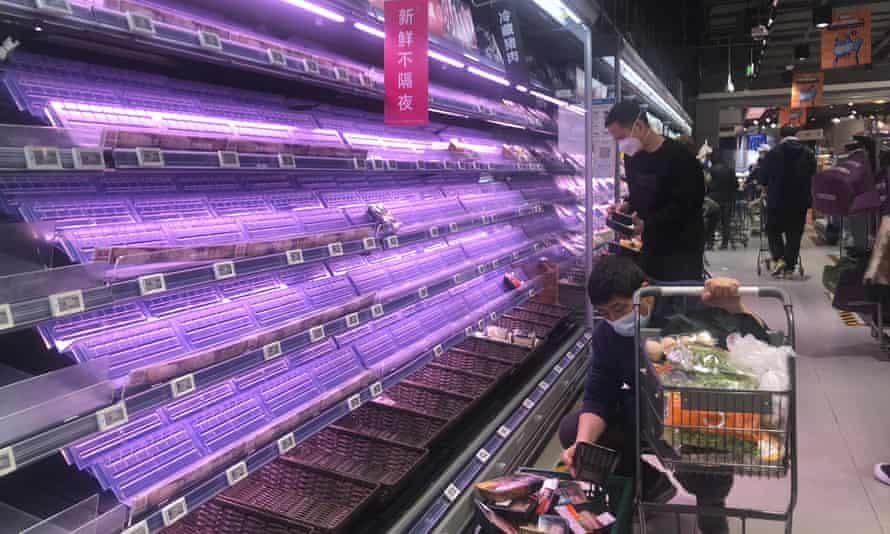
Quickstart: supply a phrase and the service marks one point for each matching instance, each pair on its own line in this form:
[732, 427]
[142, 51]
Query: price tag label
[457, 279]
[7, 461]
[55, 6]
[538, 246]
[377, 311]
[312, 66]
[209, 40]
[494, 264]
[480, 269]
[516, 255]
[452, 492]
[486, 219]
[228, 159]
[376, 389]
[276, 57]
[392, 241]
[151, 284]
[493, 316]
[150, 157]
[354, 402]
[528, 404]
[272, 350]
[287, 161]
[468, 331]
[236, 473]
[481, 324]
[294, 257]
[531, 292]
[88, 159]
[352, 320]
[434, 231]
[423, 293]
[335, 249]
[174, 511]
[571, 355]
[558, 369]
[223, 270]
[316, 333]
[182, 385]
[544, 385]
[6, 320]
[453, 227]
[369, 243]
[139, 528]
[438, 350]
[286, 443]
[66, 303]
[504, 432]
[140, 23]
[111, 417]
[483, 456]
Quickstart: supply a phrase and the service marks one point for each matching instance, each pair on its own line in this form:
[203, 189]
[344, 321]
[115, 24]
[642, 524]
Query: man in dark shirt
[667, 190]
[608, 413]
[787, 176]
[723, 190]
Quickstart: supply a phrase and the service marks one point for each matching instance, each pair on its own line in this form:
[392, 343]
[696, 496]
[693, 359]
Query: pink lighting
[445, 59]
[318, 10]
[369, 30]
[488, 76]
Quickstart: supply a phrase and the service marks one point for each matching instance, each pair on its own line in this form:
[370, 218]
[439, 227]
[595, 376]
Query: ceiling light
[853, 115]
[445, 59]
[488, 76]
[850, 104]
[38, 28]
[471, 57]
[836, 120]
[507, 124]
[880, 102]
[318, 10]
[522, 88]
[369, 30]
[450, 113]
[822, 16]
[756, 122]
[558, 10]
[770, 22]
[548, 98]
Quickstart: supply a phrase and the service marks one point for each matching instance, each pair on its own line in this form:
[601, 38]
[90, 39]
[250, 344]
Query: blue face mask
[625, 325]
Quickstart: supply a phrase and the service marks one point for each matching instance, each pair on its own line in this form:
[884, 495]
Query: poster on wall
[847, 42]
[792, 116]
[405, 63]
[807, 89]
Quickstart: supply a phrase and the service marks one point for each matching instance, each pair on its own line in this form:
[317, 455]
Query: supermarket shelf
[509, 440]
[62, 434]
[273, 60]
[30, 312]
[218, 482]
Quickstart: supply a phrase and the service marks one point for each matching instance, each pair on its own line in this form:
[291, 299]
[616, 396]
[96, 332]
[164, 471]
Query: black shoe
[712, 524]
[724, 246]
[659, 491]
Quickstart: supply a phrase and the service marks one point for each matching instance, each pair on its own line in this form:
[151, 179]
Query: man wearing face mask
[608, 413]
[667, 191]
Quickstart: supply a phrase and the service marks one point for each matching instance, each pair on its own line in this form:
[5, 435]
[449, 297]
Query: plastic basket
[303, 493]
[548, 309]
[443, 378]
[474, 363]
[540, 330]
[424, 399]
[493, 349]
[224, 517]
[534, 317]
[393, 424]
[358, 456]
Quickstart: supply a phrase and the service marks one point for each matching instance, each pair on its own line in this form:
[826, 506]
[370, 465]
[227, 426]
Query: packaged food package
[547, 496]
[553, 524]
[498, 333]
[706, 367]
[744, 425]
[516, 510]
[767, 450]
[769, 364]
[524, 339]
[509, 487]
[584, 522]
[491, 521]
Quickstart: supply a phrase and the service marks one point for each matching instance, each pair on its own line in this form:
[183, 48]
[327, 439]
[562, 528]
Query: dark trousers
[675, 267]
[726, 210]
[784, 227]
[710, 488]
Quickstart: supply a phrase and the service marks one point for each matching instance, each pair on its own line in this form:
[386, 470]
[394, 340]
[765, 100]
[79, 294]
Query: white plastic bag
[769, 364]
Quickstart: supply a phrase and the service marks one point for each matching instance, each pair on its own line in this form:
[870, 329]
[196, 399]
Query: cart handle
[697, 291]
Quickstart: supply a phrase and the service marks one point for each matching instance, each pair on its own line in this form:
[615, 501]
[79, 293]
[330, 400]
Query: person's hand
[638, 224]
[723, 293]
[622, 207]
[568, 458]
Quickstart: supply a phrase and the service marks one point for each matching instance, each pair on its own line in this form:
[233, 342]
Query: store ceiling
[732, 20]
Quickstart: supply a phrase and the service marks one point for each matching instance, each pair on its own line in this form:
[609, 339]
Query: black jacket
[788, 172]
[724, 183]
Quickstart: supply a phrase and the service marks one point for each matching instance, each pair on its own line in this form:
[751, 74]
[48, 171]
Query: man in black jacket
[723, 191]
[667, 190]
[787, 177]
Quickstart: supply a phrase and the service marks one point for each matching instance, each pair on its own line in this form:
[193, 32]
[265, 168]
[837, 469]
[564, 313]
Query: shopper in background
[607, 416]
[787, 175]
[667, 189]
[723, 190]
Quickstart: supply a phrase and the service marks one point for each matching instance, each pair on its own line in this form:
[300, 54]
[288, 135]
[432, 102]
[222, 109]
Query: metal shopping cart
[731, 420]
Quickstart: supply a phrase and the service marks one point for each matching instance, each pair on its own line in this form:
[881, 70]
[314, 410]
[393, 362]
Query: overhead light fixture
[445, 59]
[449, 113]
[488, 76]
[880, 102]
[577, 109]
[38, 28]
[822, 16]
[548, 98]
[507, 124]
[756, 122]
[522, 88]
[850, 104]
[770, 22]
[471, 57]
[836, 120]
[558, 10]
[730, 87]
[369, 30]
[853, 115]
[318, 10]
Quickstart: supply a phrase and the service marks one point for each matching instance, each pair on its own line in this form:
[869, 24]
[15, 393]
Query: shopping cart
[764, 256]
[722, 415]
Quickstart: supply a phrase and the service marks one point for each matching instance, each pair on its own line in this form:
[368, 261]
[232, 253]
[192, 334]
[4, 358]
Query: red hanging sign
[405, 62]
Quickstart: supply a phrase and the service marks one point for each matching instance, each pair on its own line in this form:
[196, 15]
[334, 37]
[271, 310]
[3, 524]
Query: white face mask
[625, 325]
[630, 146]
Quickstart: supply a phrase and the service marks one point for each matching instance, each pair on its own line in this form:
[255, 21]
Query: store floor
[844, 427]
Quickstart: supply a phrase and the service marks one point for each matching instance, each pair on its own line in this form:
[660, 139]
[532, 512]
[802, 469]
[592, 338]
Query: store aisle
[843, 427]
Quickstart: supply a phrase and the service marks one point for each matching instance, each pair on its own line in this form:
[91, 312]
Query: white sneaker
[882, 473]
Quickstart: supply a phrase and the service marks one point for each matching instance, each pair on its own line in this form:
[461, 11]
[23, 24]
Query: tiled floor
[843, 405]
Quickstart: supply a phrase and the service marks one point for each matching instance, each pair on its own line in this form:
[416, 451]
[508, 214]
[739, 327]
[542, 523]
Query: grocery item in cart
[509, 487]
[705, 367]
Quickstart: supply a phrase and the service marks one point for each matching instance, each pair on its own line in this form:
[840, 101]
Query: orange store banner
[807, 90]
[847, 42]
[794, 117]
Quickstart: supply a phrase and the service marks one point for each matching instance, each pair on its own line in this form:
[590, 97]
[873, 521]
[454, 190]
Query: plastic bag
[769, 364]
